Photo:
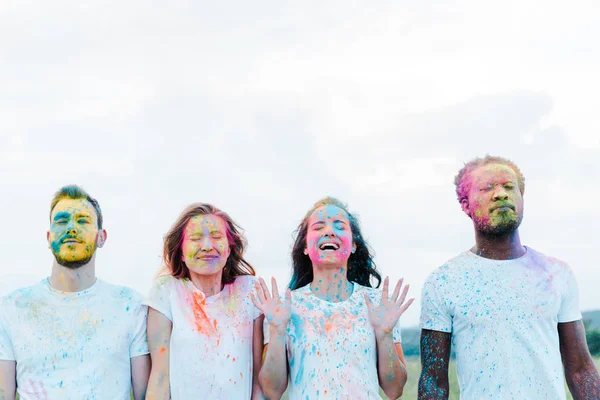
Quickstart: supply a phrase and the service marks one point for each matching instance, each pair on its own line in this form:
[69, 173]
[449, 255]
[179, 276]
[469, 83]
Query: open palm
[278, 314]
[385, 316]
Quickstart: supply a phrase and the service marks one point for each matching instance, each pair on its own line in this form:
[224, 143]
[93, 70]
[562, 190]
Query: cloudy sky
[262, 109]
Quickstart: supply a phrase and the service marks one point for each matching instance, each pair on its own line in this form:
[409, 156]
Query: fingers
[385, 291]
[275, 288]
[255, 301]
[260, 293]
[397, 290]
[265, 289]
[403, 295]
[405, 307]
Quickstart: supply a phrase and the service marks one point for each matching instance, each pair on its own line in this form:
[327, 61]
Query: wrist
[279, 329]
[383, 335]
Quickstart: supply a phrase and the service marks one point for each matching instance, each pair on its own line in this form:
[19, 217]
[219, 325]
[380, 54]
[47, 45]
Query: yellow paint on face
[73, 230]
[205, 247]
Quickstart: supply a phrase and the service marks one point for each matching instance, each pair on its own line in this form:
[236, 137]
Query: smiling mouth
[208, 258]
[72, 241]
[329, 246]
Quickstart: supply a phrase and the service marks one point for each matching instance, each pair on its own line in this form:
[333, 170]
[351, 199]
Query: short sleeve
[139, 343]
[6, 347]
[158, 298]
[435, 315]
[569, 305]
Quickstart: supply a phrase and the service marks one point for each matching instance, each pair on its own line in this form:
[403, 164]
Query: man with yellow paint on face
[73, 336]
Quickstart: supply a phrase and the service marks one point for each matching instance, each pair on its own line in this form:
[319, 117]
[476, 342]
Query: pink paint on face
[329, 236]
[205, 247]
[495, 202]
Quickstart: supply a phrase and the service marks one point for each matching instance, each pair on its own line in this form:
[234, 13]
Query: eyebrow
[61, 215]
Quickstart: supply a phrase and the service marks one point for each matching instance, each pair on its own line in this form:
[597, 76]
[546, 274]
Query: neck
[504, 247]
[207, 284]
[73, 280]
[330, 282]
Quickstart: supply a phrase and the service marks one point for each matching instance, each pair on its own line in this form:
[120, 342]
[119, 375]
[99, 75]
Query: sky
[262, 109]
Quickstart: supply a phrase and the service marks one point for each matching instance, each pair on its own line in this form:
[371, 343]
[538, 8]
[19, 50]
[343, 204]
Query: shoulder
[123, 294]
[243, 285]
[359, 289]
[21, 298]
[451, 268]
[554, 266]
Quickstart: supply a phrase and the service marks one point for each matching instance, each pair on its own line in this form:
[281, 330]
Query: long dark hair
[361, 266]
[235, 265]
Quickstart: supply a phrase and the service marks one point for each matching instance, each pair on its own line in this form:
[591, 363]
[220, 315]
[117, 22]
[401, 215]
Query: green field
[414, 370]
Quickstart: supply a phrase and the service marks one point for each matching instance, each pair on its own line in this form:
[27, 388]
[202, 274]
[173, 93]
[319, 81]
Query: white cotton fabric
[73, 345]
[331, 347]
[211, 340]
[503, 316]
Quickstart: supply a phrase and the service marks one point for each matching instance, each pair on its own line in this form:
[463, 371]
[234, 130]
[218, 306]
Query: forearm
[158, 385]
[273, 374]
[8, 380]
[435, 357]
[584, 384]
[390, 370]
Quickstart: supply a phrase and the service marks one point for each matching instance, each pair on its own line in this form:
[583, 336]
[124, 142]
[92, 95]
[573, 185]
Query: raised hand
[385, 316]
[278, 314]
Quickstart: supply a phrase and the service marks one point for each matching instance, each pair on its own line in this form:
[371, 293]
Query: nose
[500, 193]
[329, 231]
[206, 244]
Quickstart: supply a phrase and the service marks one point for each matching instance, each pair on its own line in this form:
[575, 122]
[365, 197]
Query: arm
[8, 379]
[391, 370]
[581, 374]
[140, 372]
[257, 351]
[159, 340]
[391, 366]
[435, 355]
[274, 372]
[273, 376]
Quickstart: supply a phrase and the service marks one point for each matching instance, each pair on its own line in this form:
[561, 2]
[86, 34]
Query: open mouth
[329, 246]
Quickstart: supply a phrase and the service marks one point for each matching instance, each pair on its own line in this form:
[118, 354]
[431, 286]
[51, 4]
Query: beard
[72, 263]
[505, 223]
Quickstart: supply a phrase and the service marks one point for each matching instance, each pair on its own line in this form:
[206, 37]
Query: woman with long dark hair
[333, 333]
[204, 333]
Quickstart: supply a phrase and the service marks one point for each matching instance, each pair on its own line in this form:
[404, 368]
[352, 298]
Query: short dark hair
[462, 186]
[75, 192]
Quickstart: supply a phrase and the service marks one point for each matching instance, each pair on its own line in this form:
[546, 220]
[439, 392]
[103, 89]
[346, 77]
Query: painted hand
[278, 314]
[385, 316]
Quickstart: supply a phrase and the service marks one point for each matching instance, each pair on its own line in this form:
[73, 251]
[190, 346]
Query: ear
[48, 239]
[353, 247]
[101, 238]
[305, 251]
[464, 204]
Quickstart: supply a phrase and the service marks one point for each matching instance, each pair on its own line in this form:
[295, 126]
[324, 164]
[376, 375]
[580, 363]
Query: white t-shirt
[503, 316]
[73, 345]
[331, 347]
[211, 340]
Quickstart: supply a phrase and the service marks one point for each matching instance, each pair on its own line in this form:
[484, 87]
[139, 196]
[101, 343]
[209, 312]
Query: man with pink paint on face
[73, 336]
[511, 313]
